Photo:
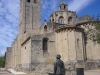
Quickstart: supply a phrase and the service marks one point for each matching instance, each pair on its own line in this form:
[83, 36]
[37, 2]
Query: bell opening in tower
[28, 0]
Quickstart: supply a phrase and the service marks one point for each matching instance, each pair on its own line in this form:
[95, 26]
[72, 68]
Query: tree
[94, 31]
[2, 61]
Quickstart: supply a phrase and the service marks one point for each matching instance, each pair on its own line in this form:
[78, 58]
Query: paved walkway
[14, 72]
[92, 72]
[5, 72]
[87, 72]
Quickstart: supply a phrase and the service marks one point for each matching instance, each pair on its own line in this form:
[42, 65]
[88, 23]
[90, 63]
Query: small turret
[63, 6]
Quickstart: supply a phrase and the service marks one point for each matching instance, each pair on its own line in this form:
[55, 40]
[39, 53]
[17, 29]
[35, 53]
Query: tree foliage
[2, 61]
[94, 31]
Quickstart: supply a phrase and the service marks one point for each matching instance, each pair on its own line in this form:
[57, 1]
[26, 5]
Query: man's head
[58, 56]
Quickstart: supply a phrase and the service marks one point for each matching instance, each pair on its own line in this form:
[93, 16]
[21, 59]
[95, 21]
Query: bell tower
[63, 6]
[29, 17]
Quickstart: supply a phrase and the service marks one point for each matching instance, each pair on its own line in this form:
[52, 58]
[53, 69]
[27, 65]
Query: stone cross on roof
[62, 1]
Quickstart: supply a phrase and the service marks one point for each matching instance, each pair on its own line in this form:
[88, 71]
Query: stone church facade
[36, 46]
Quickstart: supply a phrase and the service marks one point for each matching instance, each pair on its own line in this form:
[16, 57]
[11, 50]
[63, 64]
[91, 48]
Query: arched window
[61, 20]
[45, 29]
[70, 20]
[45, 44]
[28, 0]
[53, 20]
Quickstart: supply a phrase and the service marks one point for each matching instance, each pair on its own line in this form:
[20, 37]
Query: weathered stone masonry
[36, 46]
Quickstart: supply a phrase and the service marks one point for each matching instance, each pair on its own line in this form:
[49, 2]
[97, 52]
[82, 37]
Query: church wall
[65, 15]
[96, 51]
[37, 44]
[58, 14]
[40, 58]
[29, 19]
[73, 15]
[79, 42]
[92, 48]
[49, 27]
[27, 49]
[71, 43]
[65, 41]
[8, 63]
[89, 50]
[42, 28]
[26, 54]
[14, 54]
[19, 53]
[57, 17]
[66, 44]
[36, 14]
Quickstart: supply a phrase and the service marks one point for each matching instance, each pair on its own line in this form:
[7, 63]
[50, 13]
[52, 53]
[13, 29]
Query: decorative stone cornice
[84, 23]
[69, 29]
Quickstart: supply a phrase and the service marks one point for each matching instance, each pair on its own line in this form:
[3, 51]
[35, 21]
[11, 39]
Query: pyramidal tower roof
[63, 3]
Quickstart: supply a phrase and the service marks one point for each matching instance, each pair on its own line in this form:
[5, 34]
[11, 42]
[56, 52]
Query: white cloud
[2, 53]
[78, 5]
[9, 13]
[48, 8]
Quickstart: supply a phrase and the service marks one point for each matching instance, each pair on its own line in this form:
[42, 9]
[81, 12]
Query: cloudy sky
[9, 15]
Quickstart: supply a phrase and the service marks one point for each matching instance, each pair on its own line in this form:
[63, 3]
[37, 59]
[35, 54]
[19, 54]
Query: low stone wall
[92, 64]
